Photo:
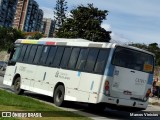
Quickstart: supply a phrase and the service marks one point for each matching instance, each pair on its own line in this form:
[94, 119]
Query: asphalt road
[82, 109]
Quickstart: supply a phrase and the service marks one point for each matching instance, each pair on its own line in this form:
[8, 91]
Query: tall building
[48, 27]
[7, 12]
[27, 15]
[39, 20]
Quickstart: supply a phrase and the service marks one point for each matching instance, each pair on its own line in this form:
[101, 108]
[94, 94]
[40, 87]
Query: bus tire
[59, 95]
[17, 85]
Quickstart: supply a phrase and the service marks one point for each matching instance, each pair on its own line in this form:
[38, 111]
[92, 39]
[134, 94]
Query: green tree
[36, 36]
[60, 12]
[8, 37]
[85, 22]
[153, 48]
[139, 45]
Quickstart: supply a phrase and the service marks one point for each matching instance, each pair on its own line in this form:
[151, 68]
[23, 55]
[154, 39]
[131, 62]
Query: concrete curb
[2, 73]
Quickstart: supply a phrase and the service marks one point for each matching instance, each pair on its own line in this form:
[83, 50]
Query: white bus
[100, 74]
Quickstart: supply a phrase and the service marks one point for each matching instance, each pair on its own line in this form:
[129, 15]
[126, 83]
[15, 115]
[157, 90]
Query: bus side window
[91, 60]
[51, 56]
[73, 58]
[58, 56]
[82, 59]
[44, 55]
[101, 60]
[38, 54]
[23, 50]
[66, 56]
[25, 59]
[32, 53]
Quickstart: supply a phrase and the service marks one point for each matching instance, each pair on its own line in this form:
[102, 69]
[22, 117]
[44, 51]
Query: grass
[13, 102]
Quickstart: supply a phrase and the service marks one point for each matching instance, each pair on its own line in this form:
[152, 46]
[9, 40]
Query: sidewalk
[154, 101]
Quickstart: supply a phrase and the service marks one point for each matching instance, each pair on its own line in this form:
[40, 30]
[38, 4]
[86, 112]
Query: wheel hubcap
[17, 86]
[59, 96]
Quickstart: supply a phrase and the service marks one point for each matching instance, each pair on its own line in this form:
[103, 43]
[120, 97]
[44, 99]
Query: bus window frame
[136, 51]
[72, 47]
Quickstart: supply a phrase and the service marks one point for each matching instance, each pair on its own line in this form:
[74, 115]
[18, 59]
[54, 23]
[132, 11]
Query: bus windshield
[132, 59]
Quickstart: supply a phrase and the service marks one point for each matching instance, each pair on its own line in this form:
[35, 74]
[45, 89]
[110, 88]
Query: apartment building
[7, 12]
[28, 16]
[48, 27]
[39, 20]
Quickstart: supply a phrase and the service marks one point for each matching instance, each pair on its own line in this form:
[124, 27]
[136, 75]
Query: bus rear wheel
[59, 95]
[17, 85]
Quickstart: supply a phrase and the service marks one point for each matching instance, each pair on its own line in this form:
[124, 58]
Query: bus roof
[64, 41]
[54, 40]
[75, 42]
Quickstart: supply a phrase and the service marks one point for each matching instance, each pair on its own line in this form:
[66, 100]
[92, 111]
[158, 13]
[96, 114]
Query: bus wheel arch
[16, 83]
[15, 77]
[59, 92]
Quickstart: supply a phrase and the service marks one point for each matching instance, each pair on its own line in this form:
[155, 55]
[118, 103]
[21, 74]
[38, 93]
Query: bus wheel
[17, 85]
[59, 95]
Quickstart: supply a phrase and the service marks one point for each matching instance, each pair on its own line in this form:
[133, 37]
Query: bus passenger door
[27, 75]
[11, 68]
[9, 74]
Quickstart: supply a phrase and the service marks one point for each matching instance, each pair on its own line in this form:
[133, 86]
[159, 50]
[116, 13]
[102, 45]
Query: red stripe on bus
[50, 43]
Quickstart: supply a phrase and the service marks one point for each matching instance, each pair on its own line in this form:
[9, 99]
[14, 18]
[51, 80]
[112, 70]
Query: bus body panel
[78, 88]
[122, 102]
[27, 74]
[9, 75]
[122, 81]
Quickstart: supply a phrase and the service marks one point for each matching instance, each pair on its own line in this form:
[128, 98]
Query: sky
[131, 21]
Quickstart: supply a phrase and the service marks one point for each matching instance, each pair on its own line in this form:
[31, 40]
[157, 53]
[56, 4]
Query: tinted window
[38, 54]
[24, 47]
[101, 60]
[82, 59]
[58, 56]
[32, 53]
[65, 58]
[73, 58]
[133, 59]
[51, 55]
[91, 60]
[16, 54]
[44, 55]
[27, 53]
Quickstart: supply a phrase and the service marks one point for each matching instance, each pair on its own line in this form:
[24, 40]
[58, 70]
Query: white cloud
[120, 39]
[48, 12]
[134, 7]
[129, 20]
[115, 37]
[106, 27]
[144, 36]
